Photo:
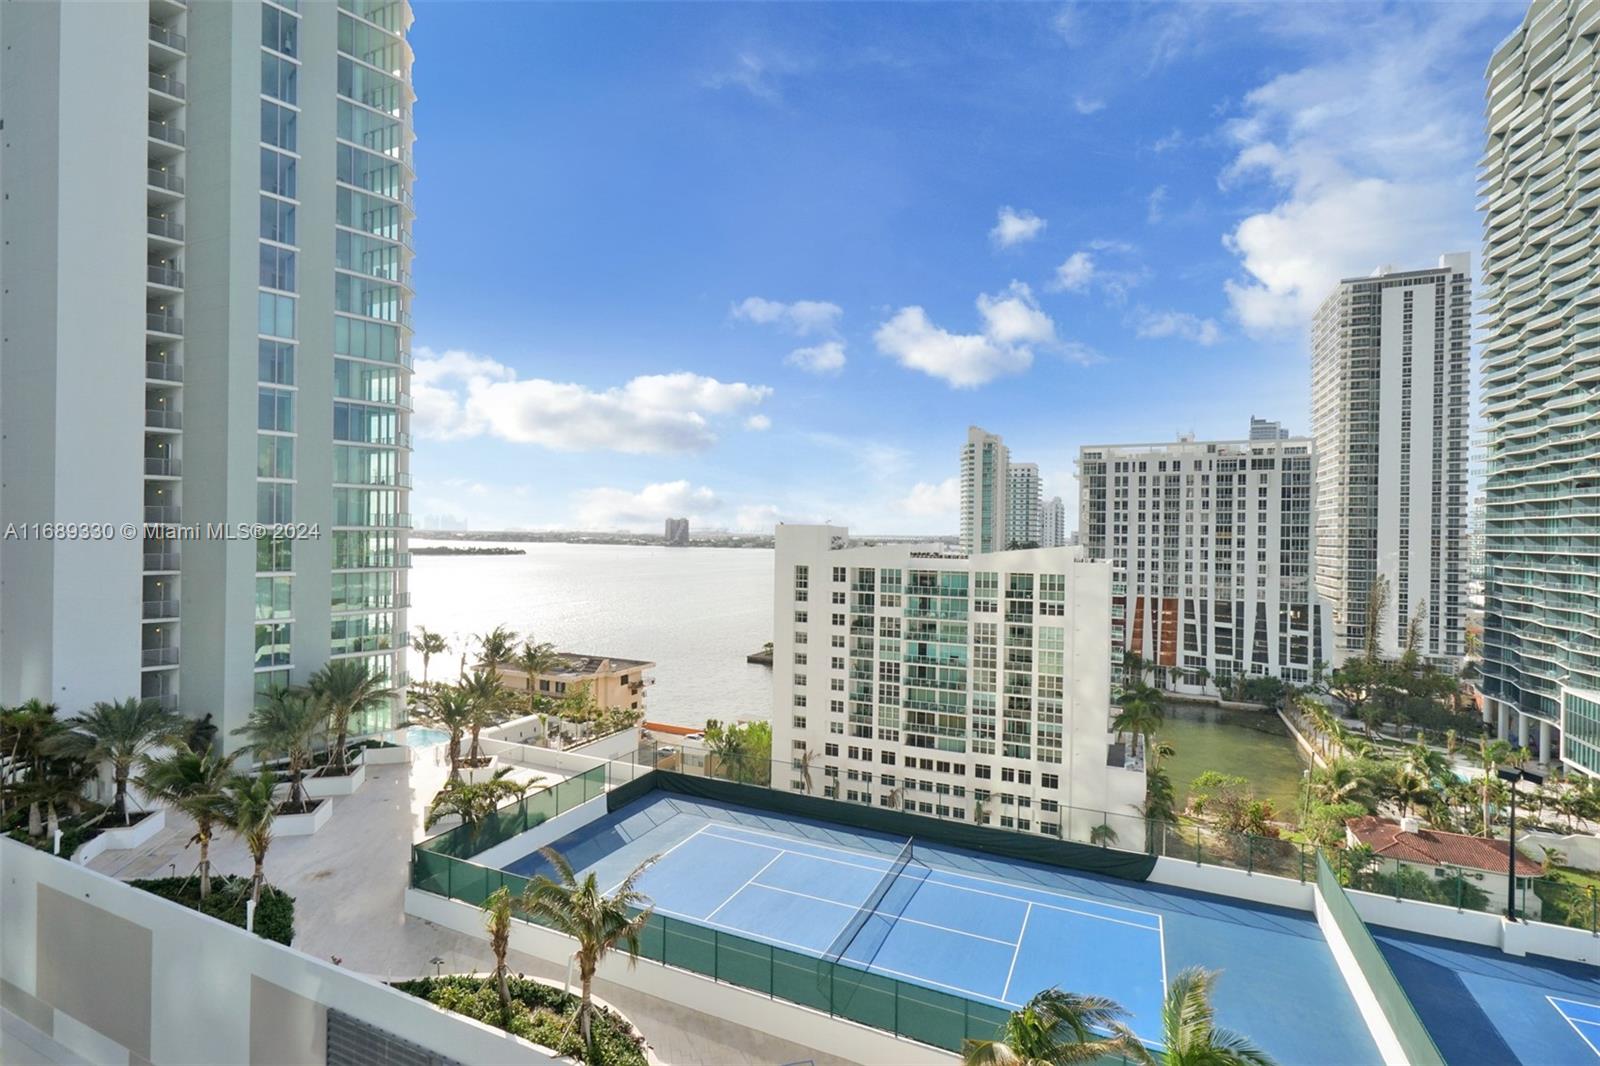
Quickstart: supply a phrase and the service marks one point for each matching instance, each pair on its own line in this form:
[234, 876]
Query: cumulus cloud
[802, 317]
[644, 510]
[1369, 156]
[1014, 227]
[458, 394]
[825, 358]
[1013, 325]
[1180, 324]
[933, 499]
[1075, 273]
[758, 423]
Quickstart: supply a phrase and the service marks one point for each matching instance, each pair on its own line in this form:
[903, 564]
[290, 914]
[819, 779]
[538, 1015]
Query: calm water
[694, 612]
[1255, 746]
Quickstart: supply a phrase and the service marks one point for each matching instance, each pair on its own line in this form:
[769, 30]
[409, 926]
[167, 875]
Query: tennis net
[841, 943]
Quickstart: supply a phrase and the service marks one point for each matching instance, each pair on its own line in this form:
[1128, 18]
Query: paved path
[349, 887]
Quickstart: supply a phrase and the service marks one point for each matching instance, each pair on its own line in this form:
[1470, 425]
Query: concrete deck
[349, 885]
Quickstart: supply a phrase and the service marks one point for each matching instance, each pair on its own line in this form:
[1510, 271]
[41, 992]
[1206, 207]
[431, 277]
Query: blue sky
[752, 263]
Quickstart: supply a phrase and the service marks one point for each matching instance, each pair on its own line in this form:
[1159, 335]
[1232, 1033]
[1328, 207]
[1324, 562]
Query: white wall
[541, 835]
[201, 974]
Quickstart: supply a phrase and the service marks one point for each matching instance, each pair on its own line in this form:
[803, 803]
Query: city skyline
[1128, 252]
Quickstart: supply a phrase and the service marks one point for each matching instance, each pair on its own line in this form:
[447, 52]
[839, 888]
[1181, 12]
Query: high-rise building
[1053, 526]
[1261, 429]
[972, 687]
[985, 462]
[1210, 549]
[207, 219]
[1024, 506]
[1540, 370]
[1389, 368]
[677, 532]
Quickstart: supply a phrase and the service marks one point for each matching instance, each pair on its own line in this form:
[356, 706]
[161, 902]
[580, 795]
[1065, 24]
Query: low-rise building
[1481, 861]
[612, 682]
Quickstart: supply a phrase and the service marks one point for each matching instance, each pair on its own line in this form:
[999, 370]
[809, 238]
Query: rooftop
[577, 664]
[1390, 839]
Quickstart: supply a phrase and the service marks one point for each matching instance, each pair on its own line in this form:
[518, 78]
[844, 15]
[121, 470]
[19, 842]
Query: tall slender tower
[1541, 385]
[1389, 369]
[1024, 505]
[985, 479]
[207, 220]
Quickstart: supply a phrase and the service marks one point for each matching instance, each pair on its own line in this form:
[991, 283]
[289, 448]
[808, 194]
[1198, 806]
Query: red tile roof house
[1437, 854]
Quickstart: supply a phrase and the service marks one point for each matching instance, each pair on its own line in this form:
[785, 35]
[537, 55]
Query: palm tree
[804, 763]
[486, 699]
[1342, 781]
[533, 660]
[59, 785]
[598, 922]
[1142, 712]
[729, 750]
[1377, 603]
[283, 725]
[27, 732]
[1189, 1030]
[446, 707]
[119, 733]
[346, 687]
[426, 643]
[497, 920]
[1492, 754]
[1054, 1028]
[1103, 835]
[251, 807]
[496, 648]
[472, 803]
[1410, 788]
[193, 783]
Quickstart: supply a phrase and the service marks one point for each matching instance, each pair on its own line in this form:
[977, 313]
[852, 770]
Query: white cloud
[759, 75]
[1068, 24]
[1087, 105]
[1074, 274]
[825, 358]
[1014, 227]
[458, 394]
[1369, 156]
[933, 499]
[802, 317]
[1012, 325]
[1155, 204]
[644, 510]
[1157, 324]
[758, 423]
[1170, 142]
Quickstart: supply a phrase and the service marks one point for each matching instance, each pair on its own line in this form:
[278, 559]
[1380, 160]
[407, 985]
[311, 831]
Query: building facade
[1210, 550]
[1389, 369]
[676, 532]
[206, 331]
[1053, 524]
[985, 479]
[1540, 371]
[970, 687]
[1024, 506]
[612, 682]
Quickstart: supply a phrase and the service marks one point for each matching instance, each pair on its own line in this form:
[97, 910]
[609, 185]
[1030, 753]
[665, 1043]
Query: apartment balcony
[161, 562]
[161, 467]
[165, 136]
[156, 418]
[167, 701]
[166, 180]
[156, 370]
[156, 610]
[170, 39]
[167, 85]
[164, 277]
[162, 514]
[164, 228]
[158, 658]
[170, 325]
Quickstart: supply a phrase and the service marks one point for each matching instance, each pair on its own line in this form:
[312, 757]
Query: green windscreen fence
[1128, 865]
[1415, 1043]
[506, 822]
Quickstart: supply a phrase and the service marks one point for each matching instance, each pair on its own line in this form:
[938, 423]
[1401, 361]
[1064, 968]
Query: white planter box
[123, 838]
[343, 785]
[474, 775]
[395, 756]
[303, 825]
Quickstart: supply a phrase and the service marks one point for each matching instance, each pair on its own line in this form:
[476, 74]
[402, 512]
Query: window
[279, 30]
[278, 125]
[278, 77]
[275, 410]
[277, 220]
[275, 364]
[276, 315]
[277, 173]
[274, 502]
[274, 456]
[277, 269]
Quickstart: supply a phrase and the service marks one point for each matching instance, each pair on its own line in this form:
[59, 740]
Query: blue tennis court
[1583, 1017]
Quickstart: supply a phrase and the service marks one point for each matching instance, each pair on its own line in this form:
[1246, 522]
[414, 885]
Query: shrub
[539, 1012]
[274, 916]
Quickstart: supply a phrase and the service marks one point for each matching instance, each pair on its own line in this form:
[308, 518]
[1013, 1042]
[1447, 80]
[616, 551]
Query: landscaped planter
[395, 755]
[303, 825]
[123, 838]
[336, 785]
[474, 775]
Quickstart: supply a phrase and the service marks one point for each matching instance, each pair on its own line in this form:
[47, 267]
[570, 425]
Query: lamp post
[1512, 776]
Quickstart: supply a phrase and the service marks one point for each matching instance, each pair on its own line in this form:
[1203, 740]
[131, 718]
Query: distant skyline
[745, 263]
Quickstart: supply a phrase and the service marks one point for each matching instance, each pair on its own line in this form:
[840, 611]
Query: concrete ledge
[399, 755]
[342, 785]
[303, 825]
[1234, 884]
[476, 775]
[546, 832]
[123, 838]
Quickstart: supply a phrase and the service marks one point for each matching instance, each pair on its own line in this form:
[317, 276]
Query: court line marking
[1568, 1019]
[661, 856]
[744, 886]
[855, 907]
[948, 873]
[1005, 993]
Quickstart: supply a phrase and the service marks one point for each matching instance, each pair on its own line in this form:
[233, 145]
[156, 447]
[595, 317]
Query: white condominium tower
[1389, 369]
[1053, 525]
[1541, 384]
[985, 479]
[206, 218]
[959, 686]
[1024, 509]
[1210, 548]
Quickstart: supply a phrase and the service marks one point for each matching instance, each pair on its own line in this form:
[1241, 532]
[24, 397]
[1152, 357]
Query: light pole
[1512, 775]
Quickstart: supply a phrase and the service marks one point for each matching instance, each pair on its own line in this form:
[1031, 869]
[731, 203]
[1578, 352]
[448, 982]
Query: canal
[1255, 745]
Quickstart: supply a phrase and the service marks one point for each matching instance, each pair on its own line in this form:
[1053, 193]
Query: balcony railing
[162, 35]
[164, 513]
[158, 561]
[166, 83]
[165, 131]
[163, 371]
[161, 467]
[167, 701]
[158, 657]
[160, 419]
[164, 227]
[161, 275]
[160, 609]
[164, 324]
[164, 179]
